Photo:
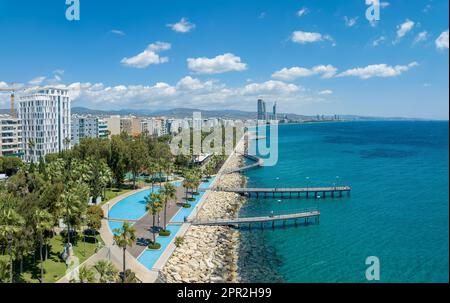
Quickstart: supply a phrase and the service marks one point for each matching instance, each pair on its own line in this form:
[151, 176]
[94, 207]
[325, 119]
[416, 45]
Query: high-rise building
[274, 113]
[87, 127]
[10, 136]
[45, 117]
[262, 110]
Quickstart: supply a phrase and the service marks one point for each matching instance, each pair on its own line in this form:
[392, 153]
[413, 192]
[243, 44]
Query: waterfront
[398, 210]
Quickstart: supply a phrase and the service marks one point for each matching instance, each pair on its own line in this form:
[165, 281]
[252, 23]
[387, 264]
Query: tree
[138, 157]
[154, 206]
[86, 275]
[43, 221]
[118, 160]
[99, 177]
[73, 204]
[94, 216]
[10, 225]
[152, 169]
[5, 270]
[169, 193]
[124, 237]
[10, 165]
[106, 270]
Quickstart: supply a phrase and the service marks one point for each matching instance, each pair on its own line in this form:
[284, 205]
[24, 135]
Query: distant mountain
[175, 113]
[228, 114]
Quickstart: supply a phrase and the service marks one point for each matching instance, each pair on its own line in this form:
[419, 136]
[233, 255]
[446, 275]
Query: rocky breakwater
[210, 253]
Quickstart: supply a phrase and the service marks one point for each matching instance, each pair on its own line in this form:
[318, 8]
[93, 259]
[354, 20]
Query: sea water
[398, 210]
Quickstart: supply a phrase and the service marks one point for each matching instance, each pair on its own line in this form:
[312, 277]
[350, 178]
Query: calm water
[398, 209]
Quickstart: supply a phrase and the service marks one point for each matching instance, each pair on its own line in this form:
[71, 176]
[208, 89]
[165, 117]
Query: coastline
[210, 253]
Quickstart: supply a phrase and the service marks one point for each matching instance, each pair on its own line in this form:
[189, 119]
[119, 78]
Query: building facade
[87, 127]
[261, 110]
[10, 136]
[45, 117]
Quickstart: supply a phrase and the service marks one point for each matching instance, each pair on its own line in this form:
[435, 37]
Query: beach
[210, 253]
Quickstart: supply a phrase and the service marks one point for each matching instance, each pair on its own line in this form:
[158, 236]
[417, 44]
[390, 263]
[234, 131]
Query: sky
[311, 57]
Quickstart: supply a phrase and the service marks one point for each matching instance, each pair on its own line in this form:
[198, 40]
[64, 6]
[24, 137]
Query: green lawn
[112, 193]
[54, 266]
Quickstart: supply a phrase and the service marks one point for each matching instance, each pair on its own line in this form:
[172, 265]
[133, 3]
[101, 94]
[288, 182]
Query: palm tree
[169, 192]
[31, 146]
[152, 168]
[43, 221]
[11, 224]
[153, 206]
[124, 237]
[86, 275]
[106, 270]
[66, 142]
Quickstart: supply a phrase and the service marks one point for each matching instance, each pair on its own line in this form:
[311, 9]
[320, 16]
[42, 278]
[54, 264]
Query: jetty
[290, 193]
[305, 216]
[258, 163]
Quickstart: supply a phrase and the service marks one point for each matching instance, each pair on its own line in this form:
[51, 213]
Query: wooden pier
[290, 193]
[306, 217]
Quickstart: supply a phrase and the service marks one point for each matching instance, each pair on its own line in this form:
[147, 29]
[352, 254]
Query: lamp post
[307, 183]
[337, 180]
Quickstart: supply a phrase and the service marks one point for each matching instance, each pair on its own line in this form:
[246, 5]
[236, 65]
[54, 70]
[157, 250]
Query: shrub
[179, 241]
[191, 199]
[164, 233]
[187, 205]
[154, 245]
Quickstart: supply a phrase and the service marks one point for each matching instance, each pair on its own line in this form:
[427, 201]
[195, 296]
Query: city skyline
[311, 58]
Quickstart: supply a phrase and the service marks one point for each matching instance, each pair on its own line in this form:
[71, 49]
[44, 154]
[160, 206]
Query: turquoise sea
[398, 210]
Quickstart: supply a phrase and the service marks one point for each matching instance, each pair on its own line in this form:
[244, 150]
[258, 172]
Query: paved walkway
[144, 225]
[115, 254]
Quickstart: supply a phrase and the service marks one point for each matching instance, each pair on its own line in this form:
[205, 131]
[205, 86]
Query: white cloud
[148, 56]
[350, 22]
[377, 70]
[385, 4]
[326, 92]
[404, 28]
[37, 81]
[427, 8]
[442, 41]
[220, 64]
[182, 26]
[118, 32]
[288, 74]
[302, 12]
[188, 91]
[270, 86]
[310, 37]
[378, 41]
[422, 36]
[3, 85]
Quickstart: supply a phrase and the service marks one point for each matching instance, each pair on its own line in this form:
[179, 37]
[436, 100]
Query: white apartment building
[45, 117]
[154, 126]
[10, 136]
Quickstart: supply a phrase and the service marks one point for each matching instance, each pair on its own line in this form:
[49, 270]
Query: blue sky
[312, 57]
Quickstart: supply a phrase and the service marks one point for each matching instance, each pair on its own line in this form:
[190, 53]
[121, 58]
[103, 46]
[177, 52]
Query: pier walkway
[258, 162]
[290, 193]
[304, 215]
